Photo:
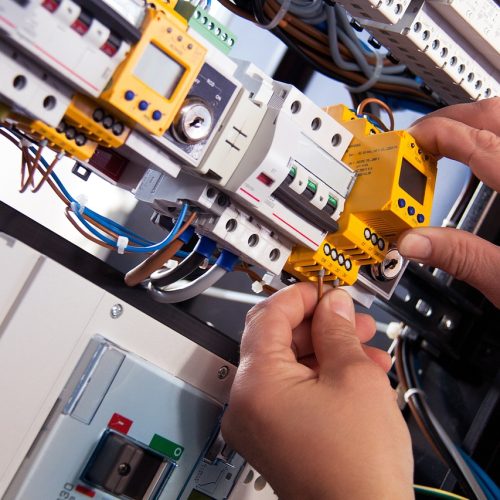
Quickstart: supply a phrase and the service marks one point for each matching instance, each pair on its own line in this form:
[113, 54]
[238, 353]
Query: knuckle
[490, 106]
[255, 313]
[364, 372]
[462, 259]
[484, 140]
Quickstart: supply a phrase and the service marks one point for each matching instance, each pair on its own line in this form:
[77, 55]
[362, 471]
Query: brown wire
[404, 385]
[67, 213]
[243, 267]
[148, 266]
[377, 120]
[271, 7]
[373, 100]
[32, 167]
[63, 198]
[321, 275]
[45, 176]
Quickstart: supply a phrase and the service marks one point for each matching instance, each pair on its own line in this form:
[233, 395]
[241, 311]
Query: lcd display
[412, 181]
[159, 71]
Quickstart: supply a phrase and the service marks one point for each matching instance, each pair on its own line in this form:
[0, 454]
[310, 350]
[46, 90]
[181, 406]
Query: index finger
[269, 325]
[483, 115]
[477, 148]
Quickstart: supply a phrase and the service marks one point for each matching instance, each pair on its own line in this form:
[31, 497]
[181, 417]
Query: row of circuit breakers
[147, 97]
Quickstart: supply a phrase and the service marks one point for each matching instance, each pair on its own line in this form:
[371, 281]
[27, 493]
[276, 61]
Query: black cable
[185, 268]
[422, 413]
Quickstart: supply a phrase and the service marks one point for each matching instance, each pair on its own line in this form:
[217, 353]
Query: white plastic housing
[51, 40]
[443, 58]
[384, 11]
[27, 87]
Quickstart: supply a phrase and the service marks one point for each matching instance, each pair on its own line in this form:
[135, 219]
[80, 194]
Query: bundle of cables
[471, 478]
[321, 33]
[113, 236]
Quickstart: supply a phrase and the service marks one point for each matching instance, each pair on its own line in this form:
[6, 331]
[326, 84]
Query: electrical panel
[242, 171]
[452, 46]
[268, 175]
[126, 430]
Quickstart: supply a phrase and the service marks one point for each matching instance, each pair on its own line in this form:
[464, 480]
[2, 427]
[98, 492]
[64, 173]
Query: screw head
[116, 311]
[223, 372]
[124, 469]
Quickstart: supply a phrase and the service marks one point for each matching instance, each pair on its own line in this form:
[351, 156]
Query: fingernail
[341, 303]
[415, 246]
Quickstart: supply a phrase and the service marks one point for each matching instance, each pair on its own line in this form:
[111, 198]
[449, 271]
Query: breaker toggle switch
[126, 468]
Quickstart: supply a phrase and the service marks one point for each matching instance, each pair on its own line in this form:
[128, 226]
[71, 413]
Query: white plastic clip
[411, 392]
[81, 200]
[394, 330]
[257, 287]
[121, 244]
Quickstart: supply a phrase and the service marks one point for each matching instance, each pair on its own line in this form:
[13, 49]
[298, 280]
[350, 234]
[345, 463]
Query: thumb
[463, 255]
[333, 333]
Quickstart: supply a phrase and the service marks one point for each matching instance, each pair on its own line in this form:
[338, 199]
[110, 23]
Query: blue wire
[491, 490]
[152, 248]
[108, 223]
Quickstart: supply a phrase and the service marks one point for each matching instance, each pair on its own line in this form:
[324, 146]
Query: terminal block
[393, 192]
[65, 138]
[207, 26]
[96, 122]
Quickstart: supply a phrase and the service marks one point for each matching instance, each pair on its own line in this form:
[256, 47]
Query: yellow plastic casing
[56, 140]
[81, 114]
[163, 4]
[166, 31]
[377, 197]
[378, 209]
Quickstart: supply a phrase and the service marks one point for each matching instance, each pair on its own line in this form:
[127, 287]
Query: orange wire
[373, 100]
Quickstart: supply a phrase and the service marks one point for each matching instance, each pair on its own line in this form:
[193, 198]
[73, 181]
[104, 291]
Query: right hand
[468, 133]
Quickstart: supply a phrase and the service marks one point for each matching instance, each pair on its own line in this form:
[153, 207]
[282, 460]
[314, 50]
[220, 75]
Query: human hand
[311, 407]
[470, 134]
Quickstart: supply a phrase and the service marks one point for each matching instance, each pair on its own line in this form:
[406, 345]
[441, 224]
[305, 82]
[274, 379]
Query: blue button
[411, 211]
[156, 115]
[401, 203]
[420, 218]
[129, 95]
[143, 105]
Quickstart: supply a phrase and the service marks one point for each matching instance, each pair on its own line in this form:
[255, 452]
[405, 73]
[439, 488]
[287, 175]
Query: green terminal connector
[207, 26]
[293, 172]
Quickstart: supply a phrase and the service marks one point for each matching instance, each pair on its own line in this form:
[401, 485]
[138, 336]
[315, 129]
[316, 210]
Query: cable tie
[412, 392]
[121, 244]
[74, 207]
[25, 143]
[258, 287]
[81, 200]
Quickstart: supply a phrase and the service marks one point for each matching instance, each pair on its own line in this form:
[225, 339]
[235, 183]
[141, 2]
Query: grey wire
[189, 291]
[452, 449]
[362, 65]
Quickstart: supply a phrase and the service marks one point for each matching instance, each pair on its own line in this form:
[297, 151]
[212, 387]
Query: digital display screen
[159, 71]
[412, 181]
